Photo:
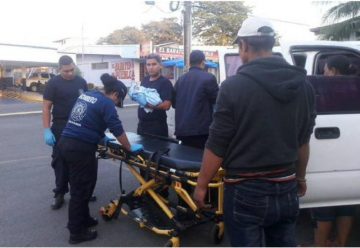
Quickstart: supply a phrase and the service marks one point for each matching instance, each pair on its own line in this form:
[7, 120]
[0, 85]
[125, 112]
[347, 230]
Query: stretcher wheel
[217, 233]
[109, 212]
[173, 242]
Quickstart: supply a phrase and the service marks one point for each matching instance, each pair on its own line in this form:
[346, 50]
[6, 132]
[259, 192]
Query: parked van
[333, 173]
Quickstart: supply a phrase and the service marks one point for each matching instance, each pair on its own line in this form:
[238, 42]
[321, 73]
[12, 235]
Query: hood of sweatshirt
[280, 79]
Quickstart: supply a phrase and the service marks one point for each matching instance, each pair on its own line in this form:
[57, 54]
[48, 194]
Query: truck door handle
[327, 132]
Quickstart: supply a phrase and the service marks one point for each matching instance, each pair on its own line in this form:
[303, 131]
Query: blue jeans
[258, 211]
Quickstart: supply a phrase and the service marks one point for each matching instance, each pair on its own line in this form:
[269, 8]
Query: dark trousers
[80, 159]
[197, 141]
[259, 210]
[61, 172]
[158, 128]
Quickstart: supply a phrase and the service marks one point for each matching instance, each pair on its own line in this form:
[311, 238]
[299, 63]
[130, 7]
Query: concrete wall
[93, 75]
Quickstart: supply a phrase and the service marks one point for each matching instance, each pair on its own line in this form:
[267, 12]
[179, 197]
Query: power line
[284, 21]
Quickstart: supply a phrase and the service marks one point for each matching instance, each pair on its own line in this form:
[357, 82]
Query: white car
[333, 172]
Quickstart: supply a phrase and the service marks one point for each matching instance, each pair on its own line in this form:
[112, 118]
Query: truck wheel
[34, 87]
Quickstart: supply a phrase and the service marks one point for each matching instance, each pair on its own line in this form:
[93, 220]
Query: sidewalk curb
[30, 99]
[21, 113]
[40, 111]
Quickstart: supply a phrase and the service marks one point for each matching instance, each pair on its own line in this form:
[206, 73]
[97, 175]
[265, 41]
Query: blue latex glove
[107, 139]
[49, 137]
[134, 97]
[141, 99]
[136, 148]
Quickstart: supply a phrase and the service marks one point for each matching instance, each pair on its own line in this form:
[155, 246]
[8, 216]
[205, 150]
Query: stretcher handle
[172, 140]
[127, 153]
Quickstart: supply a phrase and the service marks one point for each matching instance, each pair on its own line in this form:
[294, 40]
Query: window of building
[100, 66]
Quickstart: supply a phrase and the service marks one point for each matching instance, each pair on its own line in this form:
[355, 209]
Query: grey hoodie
[263, 115]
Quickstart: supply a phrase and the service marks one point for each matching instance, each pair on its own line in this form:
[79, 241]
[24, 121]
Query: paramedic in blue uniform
[194, 99]
[155, 122]
[93, 113]
[60, 96]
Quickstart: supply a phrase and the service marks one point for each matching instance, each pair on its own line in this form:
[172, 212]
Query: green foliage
[166, 30]
[349, 11]
[126, 35]
[217, 23]
[340, 31]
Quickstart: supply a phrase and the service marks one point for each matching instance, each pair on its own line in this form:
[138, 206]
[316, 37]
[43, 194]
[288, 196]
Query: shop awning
[179, 63]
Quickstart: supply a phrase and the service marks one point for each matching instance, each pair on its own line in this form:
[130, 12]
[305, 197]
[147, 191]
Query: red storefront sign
[168, 53]
[123, 70]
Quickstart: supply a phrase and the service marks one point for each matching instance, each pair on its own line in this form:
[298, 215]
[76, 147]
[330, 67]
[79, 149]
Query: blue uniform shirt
[91, 115]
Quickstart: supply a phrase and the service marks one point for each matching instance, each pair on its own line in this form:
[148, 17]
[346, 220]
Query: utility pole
[187, 35]
[82, 43]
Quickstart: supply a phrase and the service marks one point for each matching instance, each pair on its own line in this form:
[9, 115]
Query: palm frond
[343, 10]
[340, 31]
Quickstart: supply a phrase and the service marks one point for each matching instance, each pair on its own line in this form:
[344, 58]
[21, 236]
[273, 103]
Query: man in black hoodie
[263, 120]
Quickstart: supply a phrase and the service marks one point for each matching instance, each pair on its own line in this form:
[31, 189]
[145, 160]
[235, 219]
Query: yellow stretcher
[167, 173]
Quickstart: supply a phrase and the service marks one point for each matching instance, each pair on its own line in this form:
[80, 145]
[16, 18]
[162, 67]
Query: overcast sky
[43, 21]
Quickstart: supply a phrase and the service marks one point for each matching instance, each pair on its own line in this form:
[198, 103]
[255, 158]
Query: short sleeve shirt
[63, 94]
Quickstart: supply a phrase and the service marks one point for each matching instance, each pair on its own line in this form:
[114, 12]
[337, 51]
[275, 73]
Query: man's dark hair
[340, 63]
[154, 56]
[65, 60]
[259, 43]
[196, 57]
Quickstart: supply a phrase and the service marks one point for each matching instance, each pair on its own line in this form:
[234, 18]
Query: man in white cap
[263, 120]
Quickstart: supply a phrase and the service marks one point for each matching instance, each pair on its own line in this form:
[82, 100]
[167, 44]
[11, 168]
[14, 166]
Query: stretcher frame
[148, 187]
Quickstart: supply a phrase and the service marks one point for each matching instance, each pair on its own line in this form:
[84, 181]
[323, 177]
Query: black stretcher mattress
[179, 157]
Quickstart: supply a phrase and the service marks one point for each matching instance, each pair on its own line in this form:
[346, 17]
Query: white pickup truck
[36, 81]
[333, 172]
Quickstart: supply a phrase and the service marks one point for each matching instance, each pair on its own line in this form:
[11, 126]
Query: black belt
[273, 173]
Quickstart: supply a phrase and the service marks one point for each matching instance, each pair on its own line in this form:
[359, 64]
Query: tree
[217, 23]
[166, 30]
[349, 13]
[126, 35]
[349, 9]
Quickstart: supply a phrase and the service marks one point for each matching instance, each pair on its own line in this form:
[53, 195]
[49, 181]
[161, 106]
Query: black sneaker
[86, 235]
[92, 222]
[58, 202]
[93, 198]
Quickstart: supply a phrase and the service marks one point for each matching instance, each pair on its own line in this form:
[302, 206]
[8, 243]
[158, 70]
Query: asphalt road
[26, 181]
